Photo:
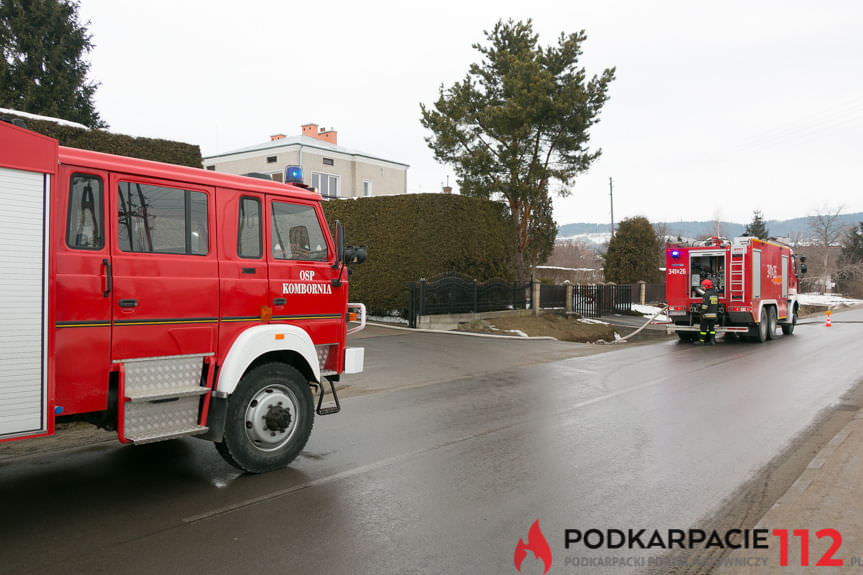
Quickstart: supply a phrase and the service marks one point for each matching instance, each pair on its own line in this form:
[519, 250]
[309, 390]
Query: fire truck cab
[756, 281]
[161, 301]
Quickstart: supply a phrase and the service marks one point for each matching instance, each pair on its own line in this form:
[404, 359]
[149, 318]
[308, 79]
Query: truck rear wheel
[269, 419]
[771, 322]
[761, 328]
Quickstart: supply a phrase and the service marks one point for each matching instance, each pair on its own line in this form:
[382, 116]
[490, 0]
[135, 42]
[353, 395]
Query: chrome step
[160, 418]
[162, 397]
[167, 394]
[164, 434]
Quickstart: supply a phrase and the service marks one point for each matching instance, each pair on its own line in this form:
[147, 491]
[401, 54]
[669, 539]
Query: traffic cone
[828, 319]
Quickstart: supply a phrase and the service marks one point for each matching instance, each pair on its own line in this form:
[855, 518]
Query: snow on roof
[46, 118]
[305, 141]
[566, 269]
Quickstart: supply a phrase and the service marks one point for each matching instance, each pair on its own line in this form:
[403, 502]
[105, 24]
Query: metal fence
[601, 299]
[552, 296]
[653, 293]
[457, 293]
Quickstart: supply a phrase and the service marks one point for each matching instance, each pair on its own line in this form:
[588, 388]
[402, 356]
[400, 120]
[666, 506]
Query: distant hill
[777, 228]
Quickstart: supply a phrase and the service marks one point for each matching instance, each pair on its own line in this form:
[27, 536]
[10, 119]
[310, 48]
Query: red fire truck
[756, 281]
[161, 301]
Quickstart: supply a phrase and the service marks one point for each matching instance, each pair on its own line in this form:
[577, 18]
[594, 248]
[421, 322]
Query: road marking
[240, 505]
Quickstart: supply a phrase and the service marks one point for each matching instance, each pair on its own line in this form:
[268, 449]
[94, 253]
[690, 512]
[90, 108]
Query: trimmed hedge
[119, 144]
[420, 236]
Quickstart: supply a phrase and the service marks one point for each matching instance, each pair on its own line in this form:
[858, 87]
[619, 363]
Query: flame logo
[535, 542]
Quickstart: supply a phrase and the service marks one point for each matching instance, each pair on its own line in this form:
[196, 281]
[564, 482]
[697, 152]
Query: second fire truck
[757, 283]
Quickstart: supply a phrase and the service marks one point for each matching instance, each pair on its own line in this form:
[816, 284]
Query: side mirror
[802, 269]
[340, 243]
[356, 254]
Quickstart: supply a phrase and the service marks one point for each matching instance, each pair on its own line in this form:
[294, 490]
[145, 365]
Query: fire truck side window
[85, 221]
[297, 233]
[249, 241]
[156, 219]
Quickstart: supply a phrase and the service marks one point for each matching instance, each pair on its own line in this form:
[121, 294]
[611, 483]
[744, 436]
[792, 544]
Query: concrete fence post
[567, 306]
[642, 290]
[535, 296]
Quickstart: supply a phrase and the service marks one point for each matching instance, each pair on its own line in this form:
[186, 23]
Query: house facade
[334, 171]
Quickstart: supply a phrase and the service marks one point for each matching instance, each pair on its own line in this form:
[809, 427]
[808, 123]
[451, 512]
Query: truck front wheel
[788, 328]
[269, 419]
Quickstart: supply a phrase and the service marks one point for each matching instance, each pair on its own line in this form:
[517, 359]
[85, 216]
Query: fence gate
[599, 300]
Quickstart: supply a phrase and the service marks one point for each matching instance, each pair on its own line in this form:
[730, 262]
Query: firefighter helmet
[707, 284]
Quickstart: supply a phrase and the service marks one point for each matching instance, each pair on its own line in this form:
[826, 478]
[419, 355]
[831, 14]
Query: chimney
[447, 189]
[322, 134]
[275, 137]
[328, 136]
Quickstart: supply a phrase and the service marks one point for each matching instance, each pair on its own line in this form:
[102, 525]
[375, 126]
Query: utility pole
[611, 197]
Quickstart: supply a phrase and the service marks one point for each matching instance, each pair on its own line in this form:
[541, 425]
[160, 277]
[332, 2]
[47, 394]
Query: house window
[328, 162]
[272, 159]
[276, 177]
[211, 168]
[326, 184]
[367, 188]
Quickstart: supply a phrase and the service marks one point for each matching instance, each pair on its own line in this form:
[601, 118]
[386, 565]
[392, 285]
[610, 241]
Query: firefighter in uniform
[709, 307]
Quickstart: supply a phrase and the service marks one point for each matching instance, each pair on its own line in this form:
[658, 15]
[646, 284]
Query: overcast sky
[716, 110]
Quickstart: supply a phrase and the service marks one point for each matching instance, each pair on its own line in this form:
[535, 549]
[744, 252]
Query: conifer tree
[42, 68]
[757, 228]
[633, 253]
[517, 126]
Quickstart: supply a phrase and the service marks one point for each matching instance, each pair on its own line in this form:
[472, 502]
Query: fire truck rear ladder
[161, 397]
[738, 275]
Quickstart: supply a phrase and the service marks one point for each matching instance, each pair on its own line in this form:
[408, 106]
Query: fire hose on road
[647, 323]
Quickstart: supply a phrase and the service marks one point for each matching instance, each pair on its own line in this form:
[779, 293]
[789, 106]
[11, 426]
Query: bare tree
[826, 230]
[662, 235]
[573, 254]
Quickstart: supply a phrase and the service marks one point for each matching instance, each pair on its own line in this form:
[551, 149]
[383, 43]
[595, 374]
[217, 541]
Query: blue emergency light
[293, 175]
[675, 254]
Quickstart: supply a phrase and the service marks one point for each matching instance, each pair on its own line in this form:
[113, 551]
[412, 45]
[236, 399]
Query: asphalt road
[445, 471]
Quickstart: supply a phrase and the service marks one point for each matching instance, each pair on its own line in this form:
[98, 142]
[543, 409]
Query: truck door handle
[128, 303]
[108, 283]
[280, 301]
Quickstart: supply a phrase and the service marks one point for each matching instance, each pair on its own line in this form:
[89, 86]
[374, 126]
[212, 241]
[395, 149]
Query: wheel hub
[271, 417]
[277, 418]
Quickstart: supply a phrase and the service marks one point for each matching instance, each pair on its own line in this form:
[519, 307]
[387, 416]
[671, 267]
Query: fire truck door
[165, 270]
[301, 271]
[84, 290]
[243, 265]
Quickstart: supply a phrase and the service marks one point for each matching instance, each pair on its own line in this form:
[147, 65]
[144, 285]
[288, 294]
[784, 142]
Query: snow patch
[830, 300]
[517, 332]
[648, 311]
[47, 118]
